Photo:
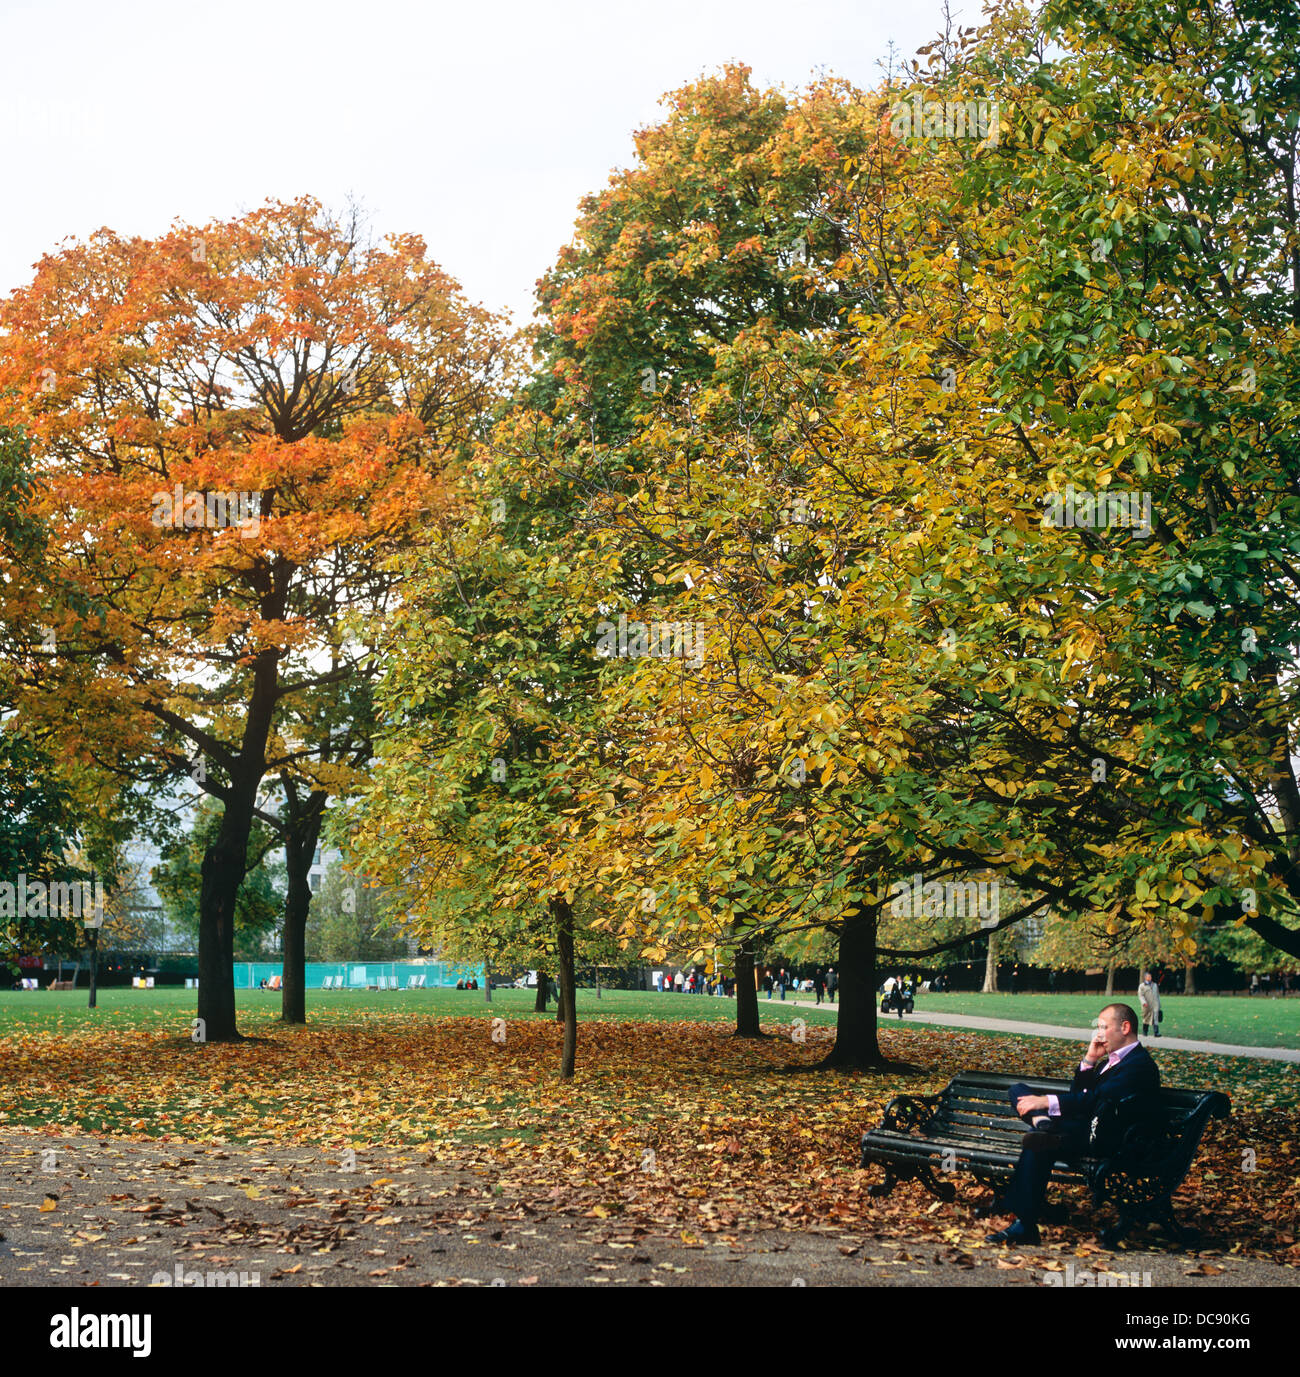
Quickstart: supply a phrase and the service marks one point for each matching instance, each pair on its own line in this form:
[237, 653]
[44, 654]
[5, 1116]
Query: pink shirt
[1054, 1105]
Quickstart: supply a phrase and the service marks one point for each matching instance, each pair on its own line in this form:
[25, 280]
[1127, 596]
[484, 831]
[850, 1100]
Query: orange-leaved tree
[233, 427]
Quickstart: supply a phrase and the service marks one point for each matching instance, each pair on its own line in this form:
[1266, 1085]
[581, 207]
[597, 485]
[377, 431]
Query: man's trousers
[1028, 1188]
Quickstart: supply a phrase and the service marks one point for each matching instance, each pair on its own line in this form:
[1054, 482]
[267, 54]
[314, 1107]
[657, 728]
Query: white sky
[477, 126]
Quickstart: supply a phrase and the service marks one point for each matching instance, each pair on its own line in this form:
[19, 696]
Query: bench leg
[1111, 1235]
[1159, 1212]
[945, 1190]
[885, 1187]
[1179, 1233]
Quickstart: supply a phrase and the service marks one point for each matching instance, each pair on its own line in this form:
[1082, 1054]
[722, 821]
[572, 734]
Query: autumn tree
[234, 425]
[1141, 362]
[726, 219]
[1072, 945]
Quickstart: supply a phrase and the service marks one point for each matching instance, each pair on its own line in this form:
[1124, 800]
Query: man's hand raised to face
[1097, 1048]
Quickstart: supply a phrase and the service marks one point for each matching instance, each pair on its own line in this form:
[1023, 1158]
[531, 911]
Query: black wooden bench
[1141, 1148]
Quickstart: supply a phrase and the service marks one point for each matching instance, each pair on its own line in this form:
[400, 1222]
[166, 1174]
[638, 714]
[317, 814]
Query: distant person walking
[1149, 997]
[832, 984]
[819, 984]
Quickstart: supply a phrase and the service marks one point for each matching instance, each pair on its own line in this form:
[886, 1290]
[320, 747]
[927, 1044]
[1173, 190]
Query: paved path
[81, 1211]
[1054, 1030]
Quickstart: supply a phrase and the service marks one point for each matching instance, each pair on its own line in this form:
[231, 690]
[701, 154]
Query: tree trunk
[303, 822]
[991, 968]
[293, 988]
[539, 1003]
[1110, 980]
[746, 991]
[487, 982]
[94, 965]
[856, 1046]
[1189, 978]
[225, 860]
[223, 873]
[568, 986]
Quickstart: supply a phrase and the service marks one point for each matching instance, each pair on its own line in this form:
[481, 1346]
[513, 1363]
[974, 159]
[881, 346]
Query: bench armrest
[1137, 1157]
[906, 1112]
[1133, 1130]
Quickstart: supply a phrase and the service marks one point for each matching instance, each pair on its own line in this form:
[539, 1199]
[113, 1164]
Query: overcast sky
[476, 125]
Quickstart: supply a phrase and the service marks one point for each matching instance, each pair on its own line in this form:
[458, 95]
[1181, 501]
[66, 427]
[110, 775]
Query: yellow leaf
[48, 1204]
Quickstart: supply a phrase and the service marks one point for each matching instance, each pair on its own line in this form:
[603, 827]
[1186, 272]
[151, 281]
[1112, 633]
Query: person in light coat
[1149, 996]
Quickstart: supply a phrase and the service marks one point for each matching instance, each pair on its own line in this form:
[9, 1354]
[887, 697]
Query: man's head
[1146, 975]
[1117, 1024]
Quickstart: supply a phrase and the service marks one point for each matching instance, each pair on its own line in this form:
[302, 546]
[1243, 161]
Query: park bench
[59, 985]
[1141, 1147]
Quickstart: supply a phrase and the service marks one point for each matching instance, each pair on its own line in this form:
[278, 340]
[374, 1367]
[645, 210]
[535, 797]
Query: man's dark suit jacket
[1091, 1091]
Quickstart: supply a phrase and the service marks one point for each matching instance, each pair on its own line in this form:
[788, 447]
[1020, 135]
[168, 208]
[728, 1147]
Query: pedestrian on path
[832, 984]
[1149, 996]
[819, 984]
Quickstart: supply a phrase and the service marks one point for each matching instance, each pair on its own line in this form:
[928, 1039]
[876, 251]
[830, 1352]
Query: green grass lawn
[1247, 1021]
[171, 1009]
[1250, 1022]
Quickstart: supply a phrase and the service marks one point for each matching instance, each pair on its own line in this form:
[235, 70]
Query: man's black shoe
[1015, 1233]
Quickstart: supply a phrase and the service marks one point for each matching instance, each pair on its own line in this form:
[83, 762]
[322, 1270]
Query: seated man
[1115, 1065]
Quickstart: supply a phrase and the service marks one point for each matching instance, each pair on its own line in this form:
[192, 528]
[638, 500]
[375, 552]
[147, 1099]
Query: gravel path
[82, 1211]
